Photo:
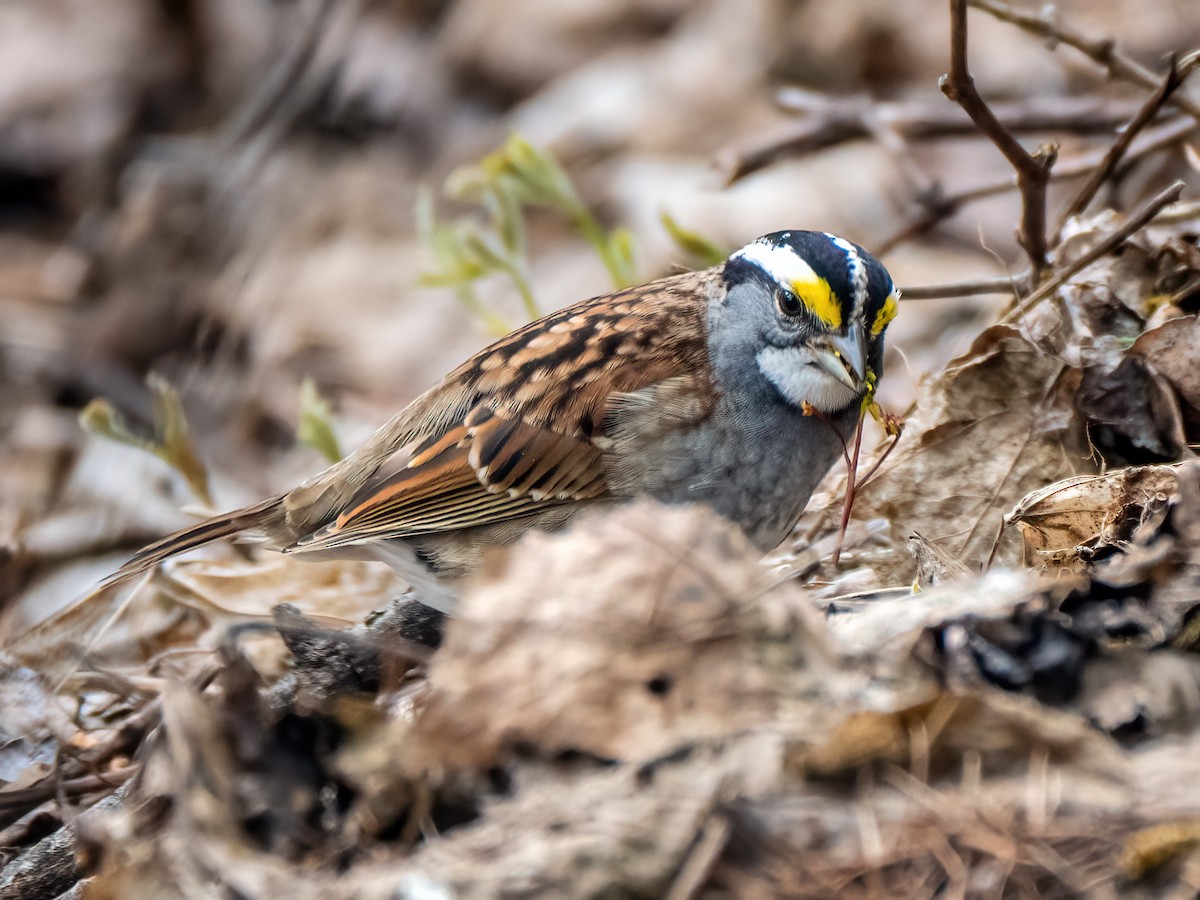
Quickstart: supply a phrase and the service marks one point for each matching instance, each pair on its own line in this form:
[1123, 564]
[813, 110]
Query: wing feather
[520, 428]
[492, 468]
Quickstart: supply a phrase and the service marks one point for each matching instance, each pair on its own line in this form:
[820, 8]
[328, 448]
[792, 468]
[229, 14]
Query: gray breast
[756, 464]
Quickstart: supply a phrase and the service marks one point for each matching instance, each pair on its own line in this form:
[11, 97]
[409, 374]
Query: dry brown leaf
[1140, 696]
[1062, 525]
[616, 832]
[1172, 349]
[622, 638]
[108, 629]
[341, 590]
[32, 728]
[1149, 589]
[997, 629]
[1150, 849]
[996, 424]
[191, 604]
[934, 565]
[1132, 412]
[1003, 730]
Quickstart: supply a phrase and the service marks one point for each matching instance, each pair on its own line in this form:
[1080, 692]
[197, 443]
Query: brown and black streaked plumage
[681, 388]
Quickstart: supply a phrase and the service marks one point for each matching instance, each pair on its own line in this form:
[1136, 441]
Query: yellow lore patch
[819, 299]
[886, 313]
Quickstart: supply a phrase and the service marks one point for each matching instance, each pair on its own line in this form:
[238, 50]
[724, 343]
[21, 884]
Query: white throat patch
[800, 381]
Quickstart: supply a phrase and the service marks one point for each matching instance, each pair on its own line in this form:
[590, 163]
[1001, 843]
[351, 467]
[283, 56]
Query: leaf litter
[638, 706]
[997, 692]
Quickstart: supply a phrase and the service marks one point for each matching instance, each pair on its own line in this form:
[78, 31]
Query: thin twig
[880, 460]
[898, 146]
[291, 87]
[263, 105]
[829, 121]
[1002, 284]
[851, 490]
[1183, 293]
[1033, 169]
[1170, 83]
[1135, 223]
[1101, 50]
[71, 787]
[950, 202]
[706, 850]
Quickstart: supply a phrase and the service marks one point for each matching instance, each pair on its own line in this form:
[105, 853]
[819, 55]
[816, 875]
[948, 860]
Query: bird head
[812, 309]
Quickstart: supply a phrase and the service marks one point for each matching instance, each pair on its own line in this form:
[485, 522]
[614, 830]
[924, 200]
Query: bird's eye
[788, 303]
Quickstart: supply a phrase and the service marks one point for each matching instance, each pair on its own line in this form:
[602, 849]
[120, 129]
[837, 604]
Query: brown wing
[518, 427]
[491, 468]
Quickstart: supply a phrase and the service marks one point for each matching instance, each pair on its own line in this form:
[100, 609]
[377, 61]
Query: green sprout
[315, 429]
[691, 242]
[519, 175]
[458, 265]
[505, 185]
[171, 442]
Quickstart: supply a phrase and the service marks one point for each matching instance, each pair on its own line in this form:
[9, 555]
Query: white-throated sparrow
[698, 387]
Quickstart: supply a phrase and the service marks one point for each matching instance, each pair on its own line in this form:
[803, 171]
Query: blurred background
[226, 193]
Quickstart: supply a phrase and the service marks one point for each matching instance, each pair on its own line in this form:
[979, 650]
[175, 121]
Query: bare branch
[72, 788]
[1101, 50]
[1183, 293]
[263, 104]
[1170, 83]
[829, 121]
[1033, 169]
[946, 204]
[978, 287]
[1135, 223]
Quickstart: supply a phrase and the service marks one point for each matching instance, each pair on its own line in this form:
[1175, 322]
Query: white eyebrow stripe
[858, 269]
[778, 261]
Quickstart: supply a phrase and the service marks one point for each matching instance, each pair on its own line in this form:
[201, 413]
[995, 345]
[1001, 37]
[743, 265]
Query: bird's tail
[224, 525]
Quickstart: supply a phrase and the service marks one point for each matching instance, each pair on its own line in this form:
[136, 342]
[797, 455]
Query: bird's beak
[846, 357]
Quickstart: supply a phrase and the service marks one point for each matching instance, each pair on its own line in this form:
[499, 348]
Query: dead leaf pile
[637, 708]
[996, 693]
